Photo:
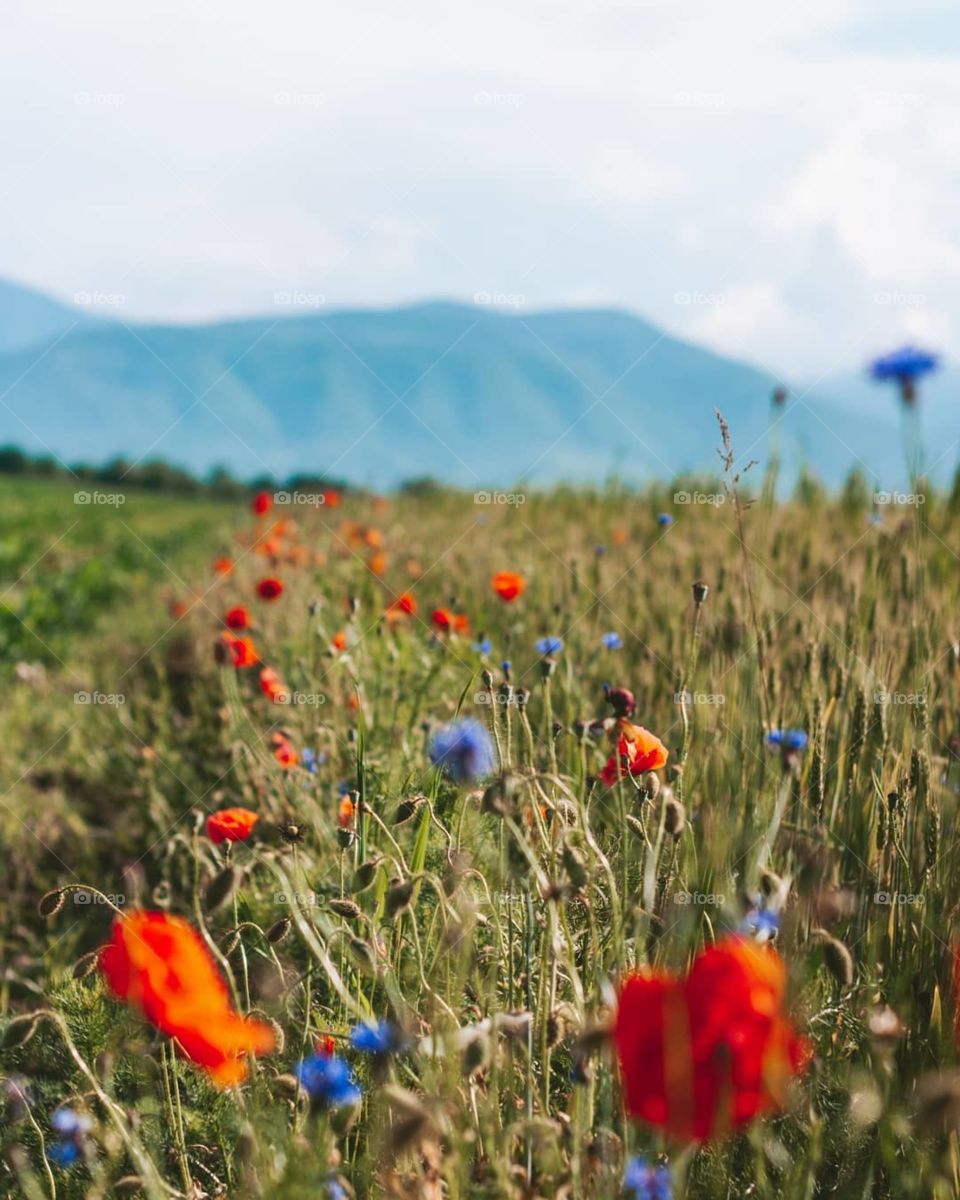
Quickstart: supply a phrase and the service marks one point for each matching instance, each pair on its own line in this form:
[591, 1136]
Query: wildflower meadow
[600, 845]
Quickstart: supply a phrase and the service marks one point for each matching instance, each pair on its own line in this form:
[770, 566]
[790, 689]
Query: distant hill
[470, 395]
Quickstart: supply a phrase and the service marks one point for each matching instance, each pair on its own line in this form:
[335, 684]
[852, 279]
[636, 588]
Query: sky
[775, 181]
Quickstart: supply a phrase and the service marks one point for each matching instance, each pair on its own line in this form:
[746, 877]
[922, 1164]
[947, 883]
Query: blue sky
[777, 184]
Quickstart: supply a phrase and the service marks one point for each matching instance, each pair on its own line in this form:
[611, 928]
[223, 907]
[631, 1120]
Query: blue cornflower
[599, 551]
[328, 1080]
[73, 1128]
[310, 760]
[379, 1040]
[645, 1182]
[664, 519]
[484, 646]
[761, 923]
[549, 645]
[335, 1190]
[463, 750]
[875, 518]
[612, 641]
[788, 739]
[908, 363]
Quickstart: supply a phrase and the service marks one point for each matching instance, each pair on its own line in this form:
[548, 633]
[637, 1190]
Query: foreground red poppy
[231, 825]
[240, 650]
[637, 751]
[160, 965]
[269, 588]
[702, 1055]
[508, 585]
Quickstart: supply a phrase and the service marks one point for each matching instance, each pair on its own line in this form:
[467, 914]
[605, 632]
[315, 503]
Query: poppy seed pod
[523, 695]
[700, 591]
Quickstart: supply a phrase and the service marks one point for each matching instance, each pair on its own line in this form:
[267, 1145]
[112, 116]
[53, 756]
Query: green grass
[817, 620]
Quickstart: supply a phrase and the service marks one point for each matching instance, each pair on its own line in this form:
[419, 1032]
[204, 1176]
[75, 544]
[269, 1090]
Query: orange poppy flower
[373, 538]
[508, 585]
[638, 751]
[223, 566]
[286, 755]
[231, 825]
[241, 650]
[345, 813]
[405, 605]
[701, 1055]
[273, 686]
[339, 641]
[269, 588]
[262, 503]
[179, 608]
[161, 966]
[237, 618]
[461, 623]
[377, 563]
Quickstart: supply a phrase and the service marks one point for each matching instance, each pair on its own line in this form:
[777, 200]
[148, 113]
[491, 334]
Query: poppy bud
[86, 965]
[129, 1185]
[836, 957]
[398, 897]
[475, 1056]
[19, 1031]
[51, 902]
[406, 809]
[348, 909]
[556, 1027]
[700, 591]
[651, 785]
[575, 866]
[221, 888]
[279, 930]
[229, 942]
[365, 874]
[674, 817]
[363, 955]
[486, 678]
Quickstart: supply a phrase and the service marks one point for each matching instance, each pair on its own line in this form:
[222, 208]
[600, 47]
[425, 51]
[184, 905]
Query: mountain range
[467, 394]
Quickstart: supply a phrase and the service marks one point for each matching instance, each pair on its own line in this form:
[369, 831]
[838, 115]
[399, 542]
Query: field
[487, 911]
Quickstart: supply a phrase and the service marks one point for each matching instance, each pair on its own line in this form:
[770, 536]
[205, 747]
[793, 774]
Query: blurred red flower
[223, 566]
[273, 686]
[262, 503]
[238, 618]
[241, 651]
[269, 588]
[345, 813]
[231, 825]
[160, 965]
[508, 585]
[702, 1055]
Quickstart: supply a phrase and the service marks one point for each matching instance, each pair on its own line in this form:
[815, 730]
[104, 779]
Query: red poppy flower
[286, 755]
[508, 585]
[237, 618]
[339, 641]
[262, 503]
[241, 650]
[231, 825]
[345, 813]
[331, 498]
[273, 686]
[269, 588]
[326, 1046]
[638, 751]
[223, 566]
[405, 605]
[160, 965]
[442, 618]
[704, 1054]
